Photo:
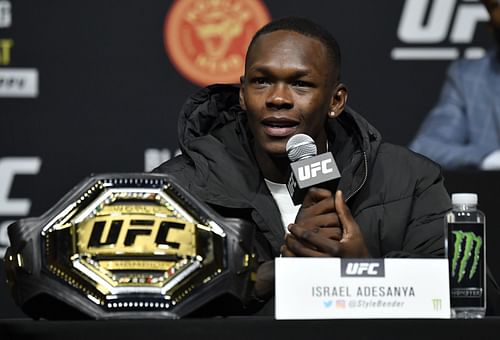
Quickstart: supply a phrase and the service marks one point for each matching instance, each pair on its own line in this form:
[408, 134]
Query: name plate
[333, 288]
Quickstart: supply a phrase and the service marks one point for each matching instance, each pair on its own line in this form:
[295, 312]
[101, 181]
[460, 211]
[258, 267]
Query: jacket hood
[207, 110]
[205, 140]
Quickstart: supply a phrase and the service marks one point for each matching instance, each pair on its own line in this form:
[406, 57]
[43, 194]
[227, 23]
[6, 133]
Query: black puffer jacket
[396, 196]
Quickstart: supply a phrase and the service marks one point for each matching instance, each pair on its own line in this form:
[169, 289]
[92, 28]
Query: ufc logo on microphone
[312, 170]
[362, 268]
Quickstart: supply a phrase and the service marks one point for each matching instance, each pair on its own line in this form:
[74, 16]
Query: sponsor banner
[18, 83]
[5, 14]
[333, 288]
[5, 51]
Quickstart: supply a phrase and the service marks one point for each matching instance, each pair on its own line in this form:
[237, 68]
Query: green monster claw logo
[473, 243]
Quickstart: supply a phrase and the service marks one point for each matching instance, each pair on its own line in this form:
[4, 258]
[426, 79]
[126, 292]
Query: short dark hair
[307, 28]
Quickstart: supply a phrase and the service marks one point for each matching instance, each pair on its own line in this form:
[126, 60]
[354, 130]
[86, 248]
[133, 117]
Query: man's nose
[280, 97]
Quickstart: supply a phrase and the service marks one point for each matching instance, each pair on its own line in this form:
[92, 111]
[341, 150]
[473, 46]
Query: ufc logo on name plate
[362, 268]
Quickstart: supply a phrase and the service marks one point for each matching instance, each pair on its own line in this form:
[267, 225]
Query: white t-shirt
[284, 201]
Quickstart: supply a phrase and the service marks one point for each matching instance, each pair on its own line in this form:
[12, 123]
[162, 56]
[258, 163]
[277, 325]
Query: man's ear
[242, 97]
[338, 101]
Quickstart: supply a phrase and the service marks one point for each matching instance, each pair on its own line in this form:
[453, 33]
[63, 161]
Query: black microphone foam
[308, 169]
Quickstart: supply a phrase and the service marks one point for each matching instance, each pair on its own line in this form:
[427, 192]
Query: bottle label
[466, 250]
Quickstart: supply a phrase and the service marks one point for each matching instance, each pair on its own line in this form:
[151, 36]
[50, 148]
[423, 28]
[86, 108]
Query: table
[242, 328]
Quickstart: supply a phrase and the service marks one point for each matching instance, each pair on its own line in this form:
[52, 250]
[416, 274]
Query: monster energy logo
[437, 304]
[467, 247]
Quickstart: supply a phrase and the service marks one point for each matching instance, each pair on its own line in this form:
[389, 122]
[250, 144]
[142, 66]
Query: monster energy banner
[466, 253]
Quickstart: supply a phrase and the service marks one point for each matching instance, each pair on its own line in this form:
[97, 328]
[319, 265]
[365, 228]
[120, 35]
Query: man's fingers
[327, 226]
[298, 248]
[344, 213]
[319, 221]
[321, 246]
[322, 207]
[315, 195]
[331, 233]
[285, 252]
[317, 201]
[352, 242]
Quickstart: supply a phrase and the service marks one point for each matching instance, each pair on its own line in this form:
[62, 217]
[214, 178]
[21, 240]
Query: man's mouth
[279, 127]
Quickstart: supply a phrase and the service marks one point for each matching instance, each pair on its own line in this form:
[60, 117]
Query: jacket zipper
[364, 178]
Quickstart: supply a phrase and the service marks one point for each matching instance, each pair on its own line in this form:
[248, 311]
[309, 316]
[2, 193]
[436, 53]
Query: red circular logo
[206, 40]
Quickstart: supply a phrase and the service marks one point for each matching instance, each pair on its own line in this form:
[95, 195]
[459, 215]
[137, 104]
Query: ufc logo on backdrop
[312, 170]
[362, 268]
[10, 167]
[426, 25]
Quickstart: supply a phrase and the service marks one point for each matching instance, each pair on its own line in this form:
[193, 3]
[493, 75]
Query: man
[463, 130]
[390, 202]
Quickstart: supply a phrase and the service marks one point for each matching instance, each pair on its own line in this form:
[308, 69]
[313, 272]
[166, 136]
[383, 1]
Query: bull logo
[206, 40]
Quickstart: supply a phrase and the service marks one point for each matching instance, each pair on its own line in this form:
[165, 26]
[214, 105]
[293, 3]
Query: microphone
[308, 169]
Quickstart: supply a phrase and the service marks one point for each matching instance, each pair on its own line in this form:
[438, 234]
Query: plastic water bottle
[466, 248]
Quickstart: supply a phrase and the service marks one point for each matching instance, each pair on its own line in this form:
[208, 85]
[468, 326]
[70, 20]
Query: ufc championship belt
[127, 246]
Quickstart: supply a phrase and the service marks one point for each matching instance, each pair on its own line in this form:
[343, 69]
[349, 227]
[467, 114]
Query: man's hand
[324, 228]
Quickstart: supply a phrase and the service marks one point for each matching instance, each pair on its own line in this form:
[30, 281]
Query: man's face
[286, 90]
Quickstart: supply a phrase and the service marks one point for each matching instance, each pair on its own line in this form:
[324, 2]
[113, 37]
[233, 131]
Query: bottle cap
[464, 198]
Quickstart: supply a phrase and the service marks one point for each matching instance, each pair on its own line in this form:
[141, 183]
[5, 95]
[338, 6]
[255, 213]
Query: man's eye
[301, 83]
[261, 81]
